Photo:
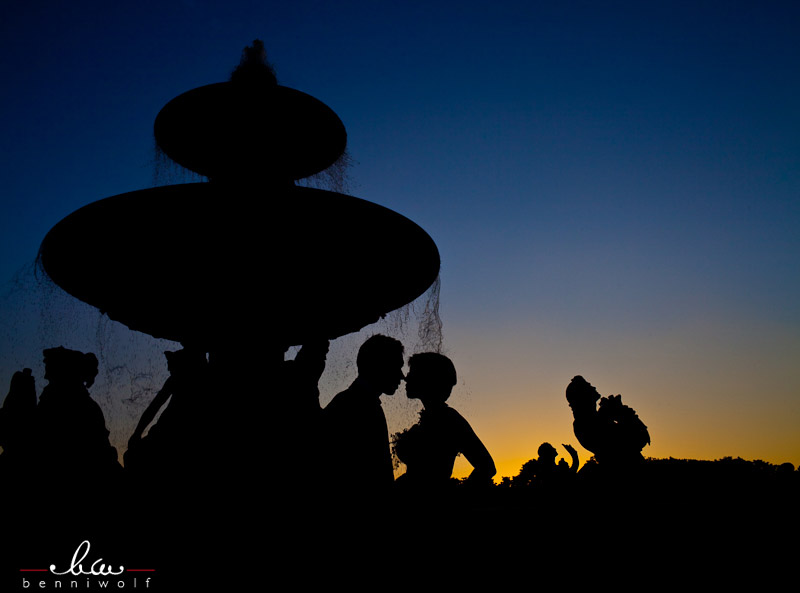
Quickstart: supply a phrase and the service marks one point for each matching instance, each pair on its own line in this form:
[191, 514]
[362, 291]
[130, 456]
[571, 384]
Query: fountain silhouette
[242, 267]
[248, 259]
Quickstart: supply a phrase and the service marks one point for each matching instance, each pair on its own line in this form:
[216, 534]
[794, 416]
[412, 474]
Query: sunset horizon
[611, 191]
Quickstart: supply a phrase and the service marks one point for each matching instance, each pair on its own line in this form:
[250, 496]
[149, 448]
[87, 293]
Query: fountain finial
[254, 67]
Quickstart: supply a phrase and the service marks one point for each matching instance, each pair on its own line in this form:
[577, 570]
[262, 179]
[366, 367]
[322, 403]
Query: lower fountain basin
[211, 263]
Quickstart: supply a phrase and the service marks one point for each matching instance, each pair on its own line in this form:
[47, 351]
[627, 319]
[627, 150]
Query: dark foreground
[682, 523]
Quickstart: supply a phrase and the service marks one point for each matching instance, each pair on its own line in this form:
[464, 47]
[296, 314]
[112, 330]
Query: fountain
[245, 265]
[248, 260]
[240, 268]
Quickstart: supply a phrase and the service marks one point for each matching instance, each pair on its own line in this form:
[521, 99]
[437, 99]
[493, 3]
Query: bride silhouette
[429, 448]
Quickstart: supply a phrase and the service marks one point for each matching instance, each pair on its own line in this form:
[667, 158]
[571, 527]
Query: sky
[614, 188]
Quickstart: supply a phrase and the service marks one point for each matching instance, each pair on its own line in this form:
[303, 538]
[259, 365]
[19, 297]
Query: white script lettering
[97, 568]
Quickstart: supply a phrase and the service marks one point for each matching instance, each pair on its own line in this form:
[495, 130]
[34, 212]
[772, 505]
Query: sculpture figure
[609, 429]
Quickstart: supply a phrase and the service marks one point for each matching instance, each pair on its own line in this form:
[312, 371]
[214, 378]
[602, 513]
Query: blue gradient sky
[614, 188]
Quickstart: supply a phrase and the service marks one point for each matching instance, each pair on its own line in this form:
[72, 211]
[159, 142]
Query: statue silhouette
[544, 470]
[429, 448]
[565, 468]
[360, 463]
[612, 431]
[18, 425]
[300, 379]
[298, 426]
[72, 429]
[167, 447]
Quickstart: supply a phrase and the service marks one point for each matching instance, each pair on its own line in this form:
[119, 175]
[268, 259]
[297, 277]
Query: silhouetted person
[359, 461]
[429, 448]
[171, 444]
[612, 431]
[72, 428]
[18, 425]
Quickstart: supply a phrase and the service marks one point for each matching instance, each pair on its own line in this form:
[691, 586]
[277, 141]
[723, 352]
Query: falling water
[37, 314]
[168, 172]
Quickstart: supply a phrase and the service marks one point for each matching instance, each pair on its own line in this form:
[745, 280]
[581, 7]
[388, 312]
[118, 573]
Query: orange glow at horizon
[704, 391]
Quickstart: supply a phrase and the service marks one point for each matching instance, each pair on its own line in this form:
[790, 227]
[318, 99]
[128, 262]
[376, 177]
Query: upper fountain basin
[230, 129]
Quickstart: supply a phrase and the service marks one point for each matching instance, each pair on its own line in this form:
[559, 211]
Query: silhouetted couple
[358, 446]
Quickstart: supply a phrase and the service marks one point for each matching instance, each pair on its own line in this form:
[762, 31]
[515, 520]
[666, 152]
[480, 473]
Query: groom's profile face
[390, 374]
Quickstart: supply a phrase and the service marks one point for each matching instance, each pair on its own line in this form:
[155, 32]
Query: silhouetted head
[547, 452]
[581, 395]
[62, 365]
[431, 377]
[380, 362]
